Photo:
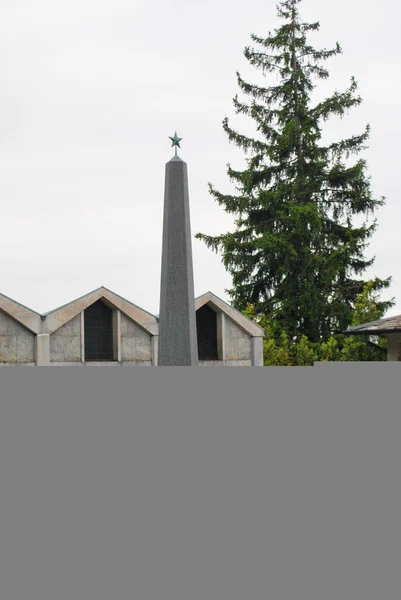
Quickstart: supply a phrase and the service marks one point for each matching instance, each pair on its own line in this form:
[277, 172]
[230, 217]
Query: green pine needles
[295, 254]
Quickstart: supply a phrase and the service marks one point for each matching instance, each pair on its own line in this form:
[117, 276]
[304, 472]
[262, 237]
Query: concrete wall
[394, 347]
[238, 344]
[65, 342]
[132, 343]
[235, 347]
[225, 363]
[17, 344]
[135, 343]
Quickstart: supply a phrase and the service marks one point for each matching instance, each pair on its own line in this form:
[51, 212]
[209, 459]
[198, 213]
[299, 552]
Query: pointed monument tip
[176, 158]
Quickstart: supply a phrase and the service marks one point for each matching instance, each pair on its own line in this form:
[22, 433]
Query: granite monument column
[177, 319]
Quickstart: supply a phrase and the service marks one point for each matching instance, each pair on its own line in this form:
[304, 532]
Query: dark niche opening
[98, 320]
[206, 325]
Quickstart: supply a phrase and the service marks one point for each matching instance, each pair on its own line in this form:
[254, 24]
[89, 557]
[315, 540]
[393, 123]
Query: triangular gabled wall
[59, 334]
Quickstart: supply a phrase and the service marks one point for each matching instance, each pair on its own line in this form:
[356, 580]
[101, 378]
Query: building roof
[241, 320]
[246, 324]
[56, 318]
[102, 288]
[389, 325]
[22, 314]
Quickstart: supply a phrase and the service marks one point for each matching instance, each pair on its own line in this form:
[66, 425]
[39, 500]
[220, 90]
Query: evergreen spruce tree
[295, 253]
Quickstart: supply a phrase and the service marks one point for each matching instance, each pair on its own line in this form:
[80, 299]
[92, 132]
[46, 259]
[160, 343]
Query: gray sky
[91, 91]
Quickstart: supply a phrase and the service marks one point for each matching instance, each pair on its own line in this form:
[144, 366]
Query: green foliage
[306, 353]
[295, 254]
[361, 348]
[280, 350]
[367, 306]
[330, 350]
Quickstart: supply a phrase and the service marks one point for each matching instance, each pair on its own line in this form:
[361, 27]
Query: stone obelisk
[177, 318]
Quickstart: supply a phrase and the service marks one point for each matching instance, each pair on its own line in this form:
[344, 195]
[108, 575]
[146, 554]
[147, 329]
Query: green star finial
[176, 142]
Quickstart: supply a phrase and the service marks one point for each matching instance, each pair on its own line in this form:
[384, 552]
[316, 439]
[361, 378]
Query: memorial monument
[177, 318]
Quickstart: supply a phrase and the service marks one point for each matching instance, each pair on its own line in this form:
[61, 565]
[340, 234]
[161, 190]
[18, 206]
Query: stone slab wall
[238, 344]
[65, 342]
[225, 363]
[394, 347]
[143, 363]
[17, 344]
[135, 343]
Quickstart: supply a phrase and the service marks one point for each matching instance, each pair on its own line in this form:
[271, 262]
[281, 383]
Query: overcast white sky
[92, 89]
